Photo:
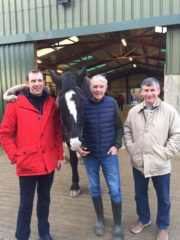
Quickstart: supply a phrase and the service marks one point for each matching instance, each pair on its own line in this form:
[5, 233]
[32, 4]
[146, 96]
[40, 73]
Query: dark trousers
[27, 191]
[162, 188]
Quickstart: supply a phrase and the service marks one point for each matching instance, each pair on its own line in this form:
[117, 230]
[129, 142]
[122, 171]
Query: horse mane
[85, 87]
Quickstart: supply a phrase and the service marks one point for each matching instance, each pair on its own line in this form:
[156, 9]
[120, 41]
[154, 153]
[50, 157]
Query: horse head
[73, 88]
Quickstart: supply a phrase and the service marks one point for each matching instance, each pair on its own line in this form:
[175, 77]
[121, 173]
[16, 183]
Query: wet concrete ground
[72, 219]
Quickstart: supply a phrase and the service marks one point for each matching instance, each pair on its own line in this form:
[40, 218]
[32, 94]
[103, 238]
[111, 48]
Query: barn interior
[124, 58]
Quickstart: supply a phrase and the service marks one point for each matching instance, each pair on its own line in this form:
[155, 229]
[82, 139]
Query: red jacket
[30, 139]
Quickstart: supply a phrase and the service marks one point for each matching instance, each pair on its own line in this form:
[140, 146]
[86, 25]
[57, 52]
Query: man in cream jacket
[152, 138]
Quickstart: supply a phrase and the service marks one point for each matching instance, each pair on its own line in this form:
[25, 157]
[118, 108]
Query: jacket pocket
[160, 152]
[26, 150]
[27, 157]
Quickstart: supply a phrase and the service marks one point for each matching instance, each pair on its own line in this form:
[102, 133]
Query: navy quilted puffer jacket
[99, 126]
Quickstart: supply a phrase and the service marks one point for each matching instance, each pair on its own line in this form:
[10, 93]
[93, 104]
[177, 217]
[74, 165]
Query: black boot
[117, 211]
[99, 226]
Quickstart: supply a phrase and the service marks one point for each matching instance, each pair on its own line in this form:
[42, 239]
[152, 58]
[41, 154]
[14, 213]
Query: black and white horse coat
[72, 115]
[73, 88]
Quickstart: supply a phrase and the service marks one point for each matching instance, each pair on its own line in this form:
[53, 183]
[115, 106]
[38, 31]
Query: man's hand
[59, 164]
[83, 152]
[112, 151]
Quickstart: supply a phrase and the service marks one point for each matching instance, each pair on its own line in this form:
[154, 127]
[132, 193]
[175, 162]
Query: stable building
[126, 40]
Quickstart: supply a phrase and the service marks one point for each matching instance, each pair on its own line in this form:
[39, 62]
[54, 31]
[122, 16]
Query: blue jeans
[162, 187]
[110, 169]
[27, 190]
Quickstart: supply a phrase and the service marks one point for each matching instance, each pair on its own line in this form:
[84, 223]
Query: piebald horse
[73, 89]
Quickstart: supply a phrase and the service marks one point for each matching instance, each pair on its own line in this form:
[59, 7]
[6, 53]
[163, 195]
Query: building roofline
[92, 29]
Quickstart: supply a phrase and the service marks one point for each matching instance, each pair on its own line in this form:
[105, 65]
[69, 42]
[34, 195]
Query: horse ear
[56, 79]
[82, 73]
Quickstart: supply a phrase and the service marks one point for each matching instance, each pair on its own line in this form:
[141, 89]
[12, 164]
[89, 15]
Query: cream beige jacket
[152, 138]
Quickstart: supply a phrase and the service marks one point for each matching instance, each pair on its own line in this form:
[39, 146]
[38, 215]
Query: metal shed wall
[30, 16]
[24, 21]
[15, 61]
[173, 51]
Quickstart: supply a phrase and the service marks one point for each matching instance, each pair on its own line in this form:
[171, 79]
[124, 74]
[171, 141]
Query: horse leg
[75, 188]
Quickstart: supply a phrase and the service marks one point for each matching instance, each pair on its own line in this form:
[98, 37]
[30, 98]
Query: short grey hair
[150, 81]
[99, 77]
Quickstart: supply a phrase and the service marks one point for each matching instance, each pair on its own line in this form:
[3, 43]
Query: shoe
[47, 237]
[137, 226]
[99, 229]
[162, 234]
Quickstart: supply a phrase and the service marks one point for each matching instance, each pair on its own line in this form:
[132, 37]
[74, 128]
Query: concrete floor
[72, 219]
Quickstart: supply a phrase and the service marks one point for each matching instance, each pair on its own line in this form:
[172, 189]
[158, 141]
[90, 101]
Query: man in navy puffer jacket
[102, 134]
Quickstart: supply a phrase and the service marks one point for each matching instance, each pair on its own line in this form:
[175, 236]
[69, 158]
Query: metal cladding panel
[15, 61]
[30, 16]
[173, 51]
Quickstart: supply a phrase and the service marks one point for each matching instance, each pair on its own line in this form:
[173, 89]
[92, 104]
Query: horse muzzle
[75, 144]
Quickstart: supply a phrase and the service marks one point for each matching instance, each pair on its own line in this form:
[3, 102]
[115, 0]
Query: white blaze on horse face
[71, 104]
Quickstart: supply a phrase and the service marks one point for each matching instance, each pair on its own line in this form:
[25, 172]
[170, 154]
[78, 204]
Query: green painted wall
[173, 51]
[15, 61]
[29, 20]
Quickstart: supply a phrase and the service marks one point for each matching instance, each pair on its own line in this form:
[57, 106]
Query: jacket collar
[23, 102]
[141, 106]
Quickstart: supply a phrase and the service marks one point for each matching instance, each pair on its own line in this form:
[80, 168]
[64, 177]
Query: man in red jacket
[30, 134]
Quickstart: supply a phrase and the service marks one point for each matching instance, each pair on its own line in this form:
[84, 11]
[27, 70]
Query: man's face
[98, 89]
[150, 94]
[36, 83]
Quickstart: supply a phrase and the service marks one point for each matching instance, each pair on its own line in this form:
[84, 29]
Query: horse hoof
[75, 193]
